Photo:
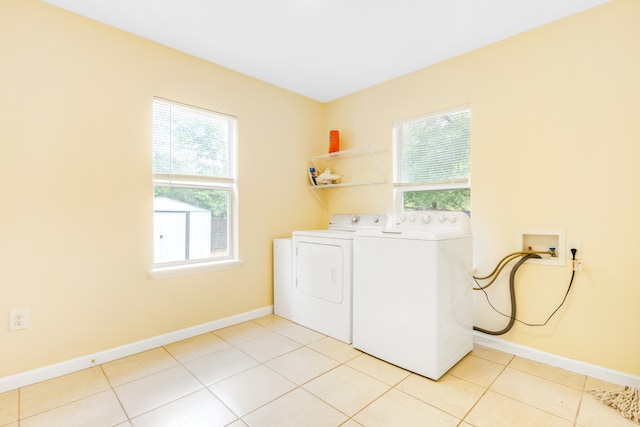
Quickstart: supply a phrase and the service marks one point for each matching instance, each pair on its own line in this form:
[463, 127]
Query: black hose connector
[512, 294]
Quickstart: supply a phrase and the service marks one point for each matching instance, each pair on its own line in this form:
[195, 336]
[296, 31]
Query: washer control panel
[432, 221]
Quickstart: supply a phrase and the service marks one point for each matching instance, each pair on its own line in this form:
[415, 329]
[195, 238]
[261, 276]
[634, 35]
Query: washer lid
[391, 233]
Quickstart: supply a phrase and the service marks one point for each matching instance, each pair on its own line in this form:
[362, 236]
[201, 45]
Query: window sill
[184, 270]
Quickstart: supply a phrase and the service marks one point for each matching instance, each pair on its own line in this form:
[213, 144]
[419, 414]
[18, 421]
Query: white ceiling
[325, 49]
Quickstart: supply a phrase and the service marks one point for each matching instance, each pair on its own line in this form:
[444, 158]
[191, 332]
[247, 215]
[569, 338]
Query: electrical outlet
[574, 245]
[18, 319]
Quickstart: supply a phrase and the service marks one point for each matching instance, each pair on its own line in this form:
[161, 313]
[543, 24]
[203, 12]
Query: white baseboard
[51, 371]
[615, 377]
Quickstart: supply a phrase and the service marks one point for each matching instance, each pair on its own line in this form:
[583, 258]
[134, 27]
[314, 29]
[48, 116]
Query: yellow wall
[76, 217]
[555, 145]
[555, 141]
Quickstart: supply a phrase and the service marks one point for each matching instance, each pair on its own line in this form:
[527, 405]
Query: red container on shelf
[334, 141]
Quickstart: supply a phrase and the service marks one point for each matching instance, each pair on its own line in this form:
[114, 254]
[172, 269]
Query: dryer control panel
[433, 221]
[354, 222]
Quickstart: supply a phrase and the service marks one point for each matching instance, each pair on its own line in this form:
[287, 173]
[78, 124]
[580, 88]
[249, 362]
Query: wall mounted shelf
[373, 174]
[323, 161]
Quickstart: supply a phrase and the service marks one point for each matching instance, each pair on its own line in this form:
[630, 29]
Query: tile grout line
[115, 393]
[389, 389]
[298, 386]
[544, 378]
[372, 402]
[235, 346]
[205, 387]
[179, 363]
[584, 383]
[260, 363]
[349, 417]
[585, 377]
[486, 389]
[584, 387]
[20, 406]
[62, 405]
[535, 407]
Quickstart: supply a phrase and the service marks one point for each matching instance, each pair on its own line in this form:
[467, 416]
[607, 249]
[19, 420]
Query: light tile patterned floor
[273, 373]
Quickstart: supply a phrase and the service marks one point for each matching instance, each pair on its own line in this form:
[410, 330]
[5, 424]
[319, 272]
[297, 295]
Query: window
[194, 174]
[432, 161]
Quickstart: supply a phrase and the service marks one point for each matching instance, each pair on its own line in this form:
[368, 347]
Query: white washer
[413, 292]
[321, 271]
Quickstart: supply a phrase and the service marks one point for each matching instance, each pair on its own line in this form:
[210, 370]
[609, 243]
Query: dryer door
[319, 269]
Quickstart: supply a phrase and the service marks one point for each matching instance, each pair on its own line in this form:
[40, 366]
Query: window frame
[400, 188]
[226, 184]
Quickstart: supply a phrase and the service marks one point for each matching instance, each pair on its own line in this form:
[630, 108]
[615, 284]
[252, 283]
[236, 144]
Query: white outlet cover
[18, 319]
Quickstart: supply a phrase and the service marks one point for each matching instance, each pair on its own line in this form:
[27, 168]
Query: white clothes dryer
[322, 279]
[412, 292]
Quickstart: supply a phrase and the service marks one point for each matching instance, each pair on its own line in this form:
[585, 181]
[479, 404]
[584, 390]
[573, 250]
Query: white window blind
[192, 142]
[432, 161]
[433, 149]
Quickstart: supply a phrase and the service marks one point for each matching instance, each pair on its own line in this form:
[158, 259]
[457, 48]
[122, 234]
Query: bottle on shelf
[334, 141]
[313, 175]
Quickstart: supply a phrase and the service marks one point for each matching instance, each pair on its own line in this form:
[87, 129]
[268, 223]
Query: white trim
[452, 184]
[190, 181]
[84, 362]
[615, 377]
[195, 268]
[51, 371]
